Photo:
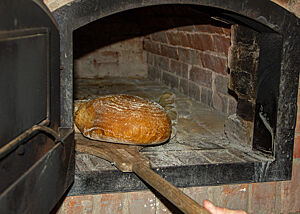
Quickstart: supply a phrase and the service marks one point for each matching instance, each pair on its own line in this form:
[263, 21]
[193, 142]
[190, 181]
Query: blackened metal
[40, 187]
[32, 83]
[246, 109]
[11, 146]
[40, 169]
[263, 16]
[267, 92]
[98, 182]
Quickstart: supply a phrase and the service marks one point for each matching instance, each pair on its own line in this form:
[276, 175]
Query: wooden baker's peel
[127, 158]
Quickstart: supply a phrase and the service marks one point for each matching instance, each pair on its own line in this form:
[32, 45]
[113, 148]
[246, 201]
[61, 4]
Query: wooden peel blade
[127, 158]
[122, 156]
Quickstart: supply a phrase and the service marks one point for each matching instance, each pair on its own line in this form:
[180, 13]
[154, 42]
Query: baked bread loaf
[123, 119]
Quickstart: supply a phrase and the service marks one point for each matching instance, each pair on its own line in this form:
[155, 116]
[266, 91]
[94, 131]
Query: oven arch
[263, 16]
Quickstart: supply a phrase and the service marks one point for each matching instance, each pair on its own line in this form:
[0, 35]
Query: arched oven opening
[216, 70]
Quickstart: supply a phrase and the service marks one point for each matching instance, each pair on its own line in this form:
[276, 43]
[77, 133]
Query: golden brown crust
[123, 119]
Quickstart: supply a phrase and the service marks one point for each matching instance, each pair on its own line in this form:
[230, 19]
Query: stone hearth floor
[198, 131]
[197, 136]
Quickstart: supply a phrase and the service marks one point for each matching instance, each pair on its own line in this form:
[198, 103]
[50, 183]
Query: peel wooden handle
[128, 159]
[173, 194]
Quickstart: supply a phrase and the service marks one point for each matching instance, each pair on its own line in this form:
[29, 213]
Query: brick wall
[122, 59]
[260, 198]
[100, 49]
[193, 59]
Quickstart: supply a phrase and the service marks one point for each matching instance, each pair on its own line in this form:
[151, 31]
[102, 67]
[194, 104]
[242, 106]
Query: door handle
[12, 145]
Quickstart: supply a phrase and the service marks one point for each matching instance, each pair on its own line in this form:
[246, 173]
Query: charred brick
[159, 37]
[161, 62]
[179, 68]
[201, 76]
[194, 91]
[215, 63]
[184, 86]
[242, 83]
[188, 56]
[206, 96]
[221, 83]
[246, 109]
[169, 52]
[154, 73]
[170, 80]
[151, 46]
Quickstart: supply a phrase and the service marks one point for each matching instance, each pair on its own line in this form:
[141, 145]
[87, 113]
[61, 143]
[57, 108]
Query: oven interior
[204, 70]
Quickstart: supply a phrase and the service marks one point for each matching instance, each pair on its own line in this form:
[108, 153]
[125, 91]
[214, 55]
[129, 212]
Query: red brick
[170, 80]
[170, 52]
[179, 38]
[161, 62]
[159, 37]
[189, 56]
[174, 37]
[297, 146]
[263, 197]
[109, 203]
[226, 31]
[230, 196]
[215, 63]
[202, 42]
[201, 76]
[221, 44]
[77, 204]
[221, 83]
[151, 46]
[179, 68]
[290, 191]
[208, 29]
[141, 202]
[189, 28]
[199, 194]
[166, 207]
[235, 196]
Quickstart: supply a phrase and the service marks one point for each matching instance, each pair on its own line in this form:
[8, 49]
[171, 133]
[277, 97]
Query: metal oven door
[36, 154]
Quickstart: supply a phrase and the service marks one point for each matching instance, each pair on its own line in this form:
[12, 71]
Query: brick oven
[225, 72]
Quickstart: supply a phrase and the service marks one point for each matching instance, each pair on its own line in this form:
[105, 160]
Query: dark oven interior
[217, 73]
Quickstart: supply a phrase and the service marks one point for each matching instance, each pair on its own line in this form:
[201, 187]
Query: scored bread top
[123, 119]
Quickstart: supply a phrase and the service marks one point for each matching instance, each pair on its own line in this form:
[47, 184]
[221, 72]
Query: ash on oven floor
[197, 134]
